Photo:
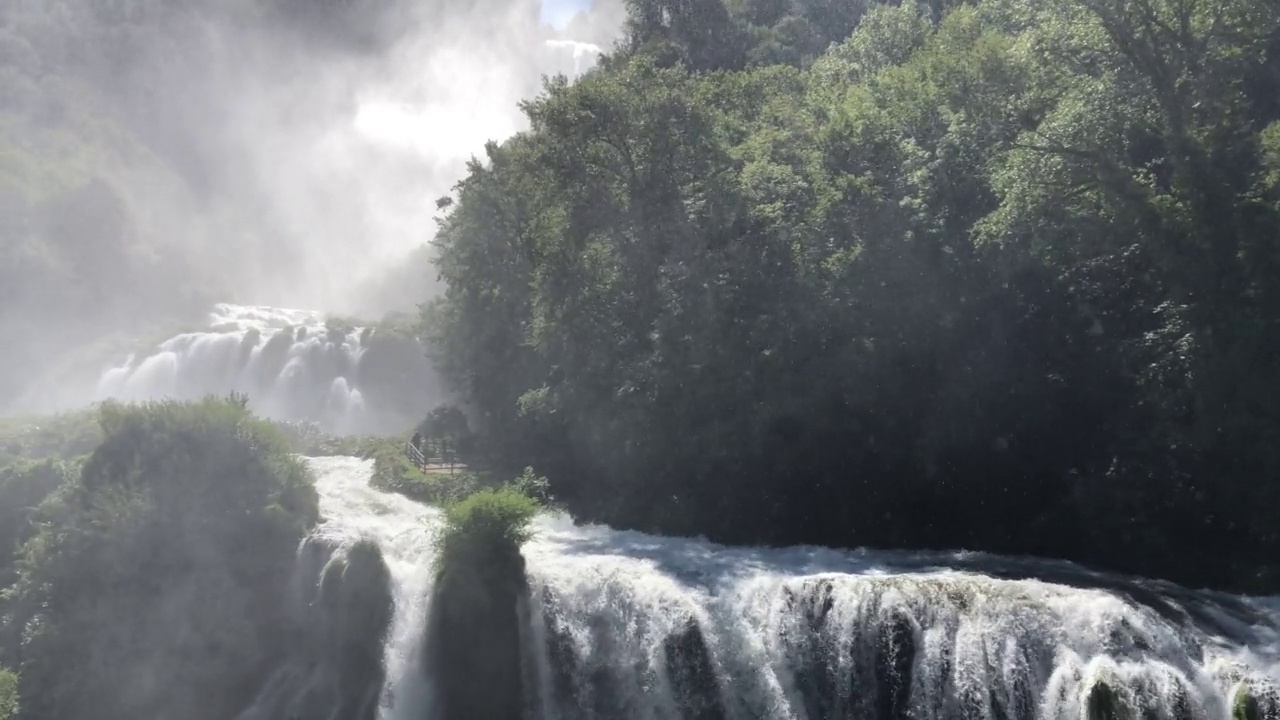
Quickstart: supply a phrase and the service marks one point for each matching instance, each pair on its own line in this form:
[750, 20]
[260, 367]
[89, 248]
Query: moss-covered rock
[353, 617]
[1255, 701]
[473, 632]
[563, 660]
[272, 357]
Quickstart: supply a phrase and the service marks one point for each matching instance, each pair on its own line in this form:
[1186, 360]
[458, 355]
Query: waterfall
[627, 625]
[624, 625]
[352, 512]
[291, 365]
[404, 530]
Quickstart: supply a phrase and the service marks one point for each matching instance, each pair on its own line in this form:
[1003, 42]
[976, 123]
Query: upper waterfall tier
[293, 366]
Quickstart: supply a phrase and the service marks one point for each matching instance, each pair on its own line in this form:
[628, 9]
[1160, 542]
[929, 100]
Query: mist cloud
[274, 152]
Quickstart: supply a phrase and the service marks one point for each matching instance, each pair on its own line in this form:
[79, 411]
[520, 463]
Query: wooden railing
[415, 455]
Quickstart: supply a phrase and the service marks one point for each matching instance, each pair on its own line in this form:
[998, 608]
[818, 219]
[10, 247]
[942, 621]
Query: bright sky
[468, 116]
[557, 13]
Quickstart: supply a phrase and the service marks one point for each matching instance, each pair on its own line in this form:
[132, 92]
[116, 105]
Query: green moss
[397, 326]
[1270, 142]
[1252, 702]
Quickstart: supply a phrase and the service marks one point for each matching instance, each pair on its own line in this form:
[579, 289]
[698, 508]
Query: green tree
[998, 277]
[161, 575]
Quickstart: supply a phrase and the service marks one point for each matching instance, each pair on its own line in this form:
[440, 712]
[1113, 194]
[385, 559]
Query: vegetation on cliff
[174, 541]
[8, 695]
[999, 275]
[473, 631]
[63, 437]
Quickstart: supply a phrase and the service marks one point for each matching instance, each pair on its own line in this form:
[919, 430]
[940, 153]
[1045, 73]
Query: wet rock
[1255, 701]
[247, 345]
[1103, 701]
[563, 661]
[335, 666]
[272, 357]
[692, 674]
[473, 640]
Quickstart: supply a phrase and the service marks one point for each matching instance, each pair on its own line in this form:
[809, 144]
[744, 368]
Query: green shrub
[488, 526]
[57, 436]
[8, 695]
[473, 625]
[393, 472]
[23, 486]
[175, 542]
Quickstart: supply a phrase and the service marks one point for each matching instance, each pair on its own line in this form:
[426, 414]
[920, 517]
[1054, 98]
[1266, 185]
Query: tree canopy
[994, 275]
[156, 581]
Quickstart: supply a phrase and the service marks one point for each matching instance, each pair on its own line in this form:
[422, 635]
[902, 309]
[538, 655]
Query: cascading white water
[288, 362]
[300, 377]
[635, 626]
[404, 530]
[627, 625]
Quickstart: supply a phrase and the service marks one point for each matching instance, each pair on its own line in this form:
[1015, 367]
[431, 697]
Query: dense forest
[999, 275]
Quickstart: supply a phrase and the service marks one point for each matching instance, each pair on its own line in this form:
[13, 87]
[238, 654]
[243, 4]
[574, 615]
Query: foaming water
[404, 531]
[626, 625]
[635, 626]
[353, 513]
[290, 364]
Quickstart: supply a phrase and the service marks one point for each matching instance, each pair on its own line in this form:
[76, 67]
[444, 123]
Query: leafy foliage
[394, 472]
[175, 542]
[446, 434]
[486, 526]
[473, 621]
[8, 695]
[23, 486]
[999, 275]
[56, 437]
